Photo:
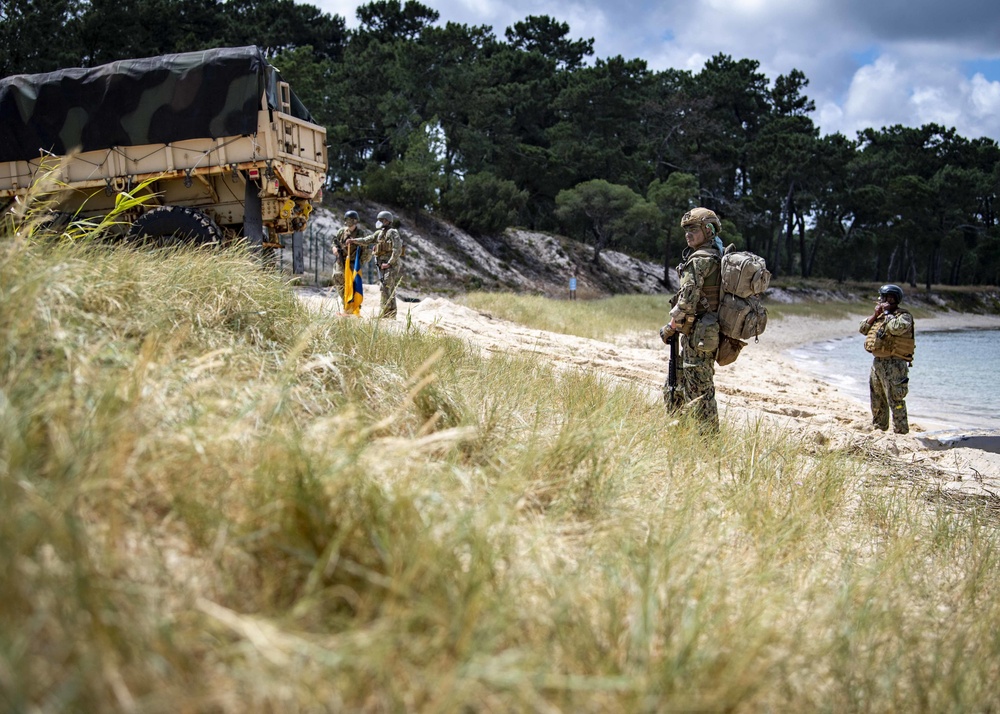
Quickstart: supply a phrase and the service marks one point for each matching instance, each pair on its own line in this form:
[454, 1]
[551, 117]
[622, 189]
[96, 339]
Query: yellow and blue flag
[354, 293]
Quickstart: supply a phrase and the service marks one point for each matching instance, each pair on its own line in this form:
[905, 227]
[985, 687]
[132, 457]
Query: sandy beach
[778, 393]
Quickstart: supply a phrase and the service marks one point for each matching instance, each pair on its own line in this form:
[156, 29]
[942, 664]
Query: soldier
[340, 252]
[695, 316]
[388, 246]
[889, 336]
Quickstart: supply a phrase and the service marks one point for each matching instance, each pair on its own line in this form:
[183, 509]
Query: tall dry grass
[637, 317]
[215, 501]
[595, 319]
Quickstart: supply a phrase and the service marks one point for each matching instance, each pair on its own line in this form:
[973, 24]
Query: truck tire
[175, 225]
[54, 221]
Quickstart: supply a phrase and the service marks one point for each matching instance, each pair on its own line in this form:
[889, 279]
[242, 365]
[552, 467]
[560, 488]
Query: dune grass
[608, 318]
[215, 501]
[612, 317]
[595, 319]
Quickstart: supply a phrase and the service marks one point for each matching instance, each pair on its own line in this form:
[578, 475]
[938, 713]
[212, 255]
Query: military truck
[216, 141]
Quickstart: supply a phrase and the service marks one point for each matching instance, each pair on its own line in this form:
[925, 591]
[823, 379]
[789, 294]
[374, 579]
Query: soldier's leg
[369, 265]
[337, 282]
[898, 385]
[390, 281]
[877, 393]
[697, 381]
[673, 399]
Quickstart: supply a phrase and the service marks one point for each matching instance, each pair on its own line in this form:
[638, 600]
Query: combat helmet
[704, 218]
[351, 214]
[893, 290]
[385, 217]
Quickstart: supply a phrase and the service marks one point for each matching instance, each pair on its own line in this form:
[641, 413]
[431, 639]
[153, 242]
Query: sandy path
[778, 391]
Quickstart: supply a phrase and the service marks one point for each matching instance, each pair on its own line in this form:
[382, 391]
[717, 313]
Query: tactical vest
[383, 246]
[881, 344]
[709, 301]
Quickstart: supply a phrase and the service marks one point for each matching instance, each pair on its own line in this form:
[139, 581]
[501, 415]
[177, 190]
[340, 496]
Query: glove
[666, 332]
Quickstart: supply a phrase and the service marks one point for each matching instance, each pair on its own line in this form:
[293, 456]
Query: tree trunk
[789, 225]
[805, 268]
[600, 240]
[932, 258]
[774, 249]
[892, 263]
[667, 259]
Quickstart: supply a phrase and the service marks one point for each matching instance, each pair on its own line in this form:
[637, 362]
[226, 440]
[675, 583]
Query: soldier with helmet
[694, 316]
[340, 249]
[889, 337]
[388, 248]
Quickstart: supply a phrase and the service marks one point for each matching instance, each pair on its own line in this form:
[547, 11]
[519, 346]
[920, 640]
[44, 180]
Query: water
[954, 380]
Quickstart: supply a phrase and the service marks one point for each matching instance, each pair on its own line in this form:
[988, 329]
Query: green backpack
[742, 315]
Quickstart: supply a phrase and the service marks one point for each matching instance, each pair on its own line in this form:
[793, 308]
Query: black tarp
[212, 93]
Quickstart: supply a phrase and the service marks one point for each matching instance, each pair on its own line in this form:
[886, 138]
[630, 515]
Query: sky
[870, 63]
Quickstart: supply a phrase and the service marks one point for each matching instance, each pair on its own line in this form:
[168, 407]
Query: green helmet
[385, 217]
[703, 218]
[351, 214]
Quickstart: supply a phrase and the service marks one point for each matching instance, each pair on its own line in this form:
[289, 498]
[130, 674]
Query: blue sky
[870, 63]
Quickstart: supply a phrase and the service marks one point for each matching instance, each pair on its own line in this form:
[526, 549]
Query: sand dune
[764, 383]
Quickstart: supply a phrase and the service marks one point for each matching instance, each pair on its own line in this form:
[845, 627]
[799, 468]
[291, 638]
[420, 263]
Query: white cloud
[911, 92]
[877, 97]
[934, 105]
[984, 97]
[981, 108]
[344, 8]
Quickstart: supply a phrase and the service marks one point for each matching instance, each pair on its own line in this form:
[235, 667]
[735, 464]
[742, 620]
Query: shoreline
[797, 331]
[950, 423]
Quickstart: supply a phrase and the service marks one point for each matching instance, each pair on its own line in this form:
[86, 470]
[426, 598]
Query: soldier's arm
[869, 322]
[366, 240]
[692, 280]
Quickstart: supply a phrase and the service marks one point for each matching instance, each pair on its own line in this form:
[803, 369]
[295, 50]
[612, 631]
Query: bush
[483, 204]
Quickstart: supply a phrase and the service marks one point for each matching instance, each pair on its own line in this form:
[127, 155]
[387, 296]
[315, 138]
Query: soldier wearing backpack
[694, 316]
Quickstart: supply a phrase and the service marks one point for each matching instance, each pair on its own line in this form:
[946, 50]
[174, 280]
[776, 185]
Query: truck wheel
[175, 225]
[53, 222]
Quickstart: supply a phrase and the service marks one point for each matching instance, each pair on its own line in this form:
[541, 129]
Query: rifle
[672, 397]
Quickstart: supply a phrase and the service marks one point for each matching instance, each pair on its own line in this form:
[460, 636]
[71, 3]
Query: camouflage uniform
[890, 340]
[697, 296]
[388, 248]
[340, 253]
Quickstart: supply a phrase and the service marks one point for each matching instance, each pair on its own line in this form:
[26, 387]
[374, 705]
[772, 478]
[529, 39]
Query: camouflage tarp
[156, 100]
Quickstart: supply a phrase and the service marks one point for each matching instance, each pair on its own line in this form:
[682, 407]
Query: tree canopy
[529, 128]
